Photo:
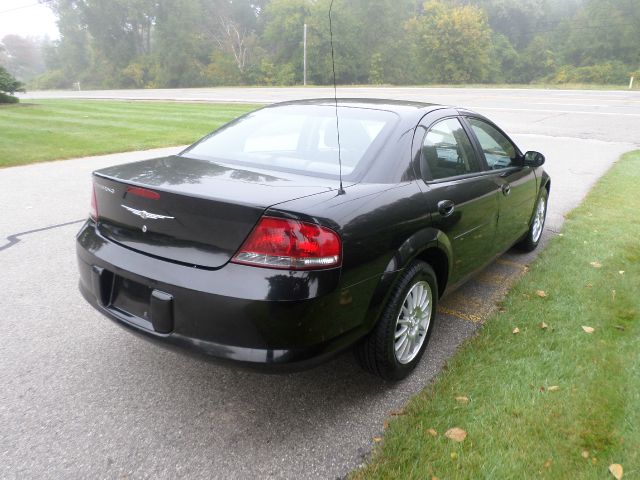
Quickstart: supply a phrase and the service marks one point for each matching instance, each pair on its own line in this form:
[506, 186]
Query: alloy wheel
[413, 322]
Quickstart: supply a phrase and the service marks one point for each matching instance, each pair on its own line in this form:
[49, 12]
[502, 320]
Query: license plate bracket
[142, 305]
[131, 298]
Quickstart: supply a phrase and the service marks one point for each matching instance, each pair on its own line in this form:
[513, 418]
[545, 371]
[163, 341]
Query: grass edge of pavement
[552, 400]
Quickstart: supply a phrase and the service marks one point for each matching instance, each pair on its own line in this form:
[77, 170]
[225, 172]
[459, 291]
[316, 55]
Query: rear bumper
[256, 316]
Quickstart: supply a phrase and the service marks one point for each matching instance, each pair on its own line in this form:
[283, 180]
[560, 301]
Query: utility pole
[304, 50]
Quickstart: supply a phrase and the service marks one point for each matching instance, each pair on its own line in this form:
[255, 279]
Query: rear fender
[412, 248]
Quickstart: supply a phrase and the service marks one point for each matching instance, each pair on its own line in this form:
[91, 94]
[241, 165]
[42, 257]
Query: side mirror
[533, 159]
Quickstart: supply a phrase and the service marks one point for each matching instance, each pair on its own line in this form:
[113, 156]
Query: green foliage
[376, 72]
[451, 44]
[8, 86]
[610, 73]
[603, 31]
[52, 80]
[190, 43]
[4, 98]
[222, 70]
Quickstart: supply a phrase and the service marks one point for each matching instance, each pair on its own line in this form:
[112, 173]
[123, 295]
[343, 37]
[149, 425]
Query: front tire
[398, 341]
[531, 241]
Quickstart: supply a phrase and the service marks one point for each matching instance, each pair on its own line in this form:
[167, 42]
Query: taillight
[93, 212]
[291, 245]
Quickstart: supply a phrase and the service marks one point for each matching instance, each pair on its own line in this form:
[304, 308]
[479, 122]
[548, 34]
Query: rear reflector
[93, 211]
[143, 192]
[290, 245]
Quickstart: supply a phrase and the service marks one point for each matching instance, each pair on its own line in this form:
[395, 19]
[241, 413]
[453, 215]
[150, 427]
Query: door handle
[506, 189]
[446, 207]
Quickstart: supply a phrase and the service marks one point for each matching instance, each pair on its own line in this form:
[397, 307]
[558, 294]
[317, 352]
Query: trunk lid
[191, 211]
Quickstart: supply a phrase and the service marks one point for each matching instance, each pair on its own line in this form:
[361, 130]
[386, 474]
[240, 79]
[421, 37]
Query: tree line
[192, 43]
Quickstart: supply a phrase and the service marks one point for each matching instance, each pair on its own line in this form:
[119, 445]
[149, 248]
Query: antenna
[335, 96]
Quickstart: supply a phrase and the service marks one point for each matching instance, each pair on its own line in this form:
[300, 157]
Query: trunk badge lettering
[106, 189]
[147, 215]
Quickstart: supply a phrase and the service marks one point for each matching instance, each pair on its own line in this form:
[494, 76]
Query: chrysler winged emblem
[147, 215]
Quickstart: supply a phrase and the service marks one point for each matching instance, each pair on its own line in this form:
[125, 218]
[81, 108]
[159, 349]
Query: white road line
[573, 104]
[535, 110]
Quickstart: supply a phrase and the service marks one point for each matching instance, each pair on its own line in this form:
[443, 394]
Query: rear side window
[447, 151]
[298, 138]
[498, 150]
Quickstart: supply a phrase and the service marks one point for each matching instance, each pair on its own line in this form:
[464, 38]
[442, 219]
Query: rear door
[463, 199]
[516, 182]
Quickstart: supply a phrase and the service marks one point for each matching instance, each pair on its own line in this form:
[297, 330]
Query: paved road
[611, 116]
[81, 398]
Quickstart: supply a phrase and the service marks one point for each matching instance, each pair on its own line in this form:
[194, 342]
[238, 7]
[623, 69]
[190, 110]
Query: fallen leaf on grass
[543, 326]
[435, 478]
[541, 293]
[616, 470]
[456, 434]
[432, 432]
[589, 285]
[385, 425]
[377, 439]
[553, 388]
[516, 330]
[454, 456]
[547, 464]
[462, 399]
[588, 329]
[585, 454]
[596, 264]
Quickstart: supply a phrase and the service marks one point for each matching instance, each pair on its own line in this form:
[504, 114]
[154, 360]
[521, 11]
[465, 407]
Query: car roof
[397, 106]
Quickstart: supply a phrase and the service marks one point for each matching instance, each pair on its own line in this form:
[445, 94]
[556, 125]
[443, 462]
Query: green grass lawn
[55, 129]
[552, 402]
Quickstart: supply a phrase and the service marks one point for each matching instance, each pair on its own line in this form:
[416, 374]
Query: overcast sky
[27, 18]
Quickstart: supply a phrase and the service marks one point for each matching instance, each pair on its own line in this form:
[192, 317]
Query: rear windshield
[299, 138]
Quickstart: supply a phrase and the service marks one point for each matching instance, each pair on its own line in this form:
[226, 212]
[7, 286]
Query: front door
[517, 183]
[463, 199]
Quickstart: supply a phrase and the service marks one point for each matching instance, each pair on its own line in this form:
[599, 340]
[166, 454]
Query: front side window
[447, 151]
[498, 150]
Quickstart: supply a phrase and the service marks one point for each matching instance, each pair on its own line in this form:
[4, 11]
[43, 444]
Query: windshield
[299, 138]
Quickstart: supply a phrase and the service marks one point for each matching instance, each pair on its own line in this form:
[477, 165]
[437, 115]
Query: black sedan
[277, 241]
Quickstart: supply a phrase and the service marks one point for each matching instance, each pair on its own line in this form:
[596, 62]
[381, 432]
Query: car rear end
[210, 272]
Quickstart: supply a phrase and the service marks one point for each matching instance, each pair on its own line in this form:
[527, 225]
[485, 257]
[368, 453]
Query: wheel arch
[429, 245]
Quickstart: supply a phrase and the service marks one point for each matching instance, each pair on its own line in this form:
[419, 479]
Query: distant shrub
[612, 73]
[52, 80]
[8, 86]
[4, 98]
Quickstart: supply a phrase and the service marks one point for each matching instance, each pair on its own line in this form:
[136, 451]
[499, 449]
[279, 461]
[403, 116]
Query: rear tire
[396, 344]
[532, 239]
